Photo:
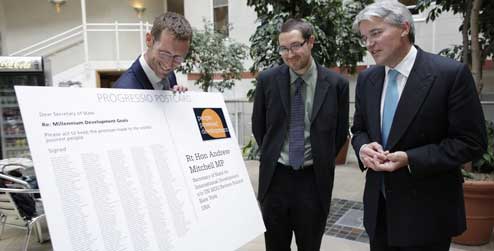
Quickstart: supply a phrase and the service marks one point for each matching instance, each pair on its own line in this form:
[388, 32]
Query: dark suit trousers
[380, 241]
[292, 205]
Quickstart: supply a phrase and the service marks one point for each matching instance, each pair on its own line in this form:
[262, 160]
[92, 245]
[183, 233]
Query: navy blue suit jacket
[440, 125]
[135, 78]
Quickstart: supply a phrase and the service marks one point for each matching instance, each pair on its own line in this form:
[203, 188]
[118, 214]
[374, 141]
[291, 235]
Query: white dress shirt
[153, 78]
[404, 68]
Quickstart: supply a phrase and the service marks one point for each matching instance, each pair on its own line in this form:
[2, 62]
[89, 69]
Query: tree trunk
[476, 57]
[464, 33]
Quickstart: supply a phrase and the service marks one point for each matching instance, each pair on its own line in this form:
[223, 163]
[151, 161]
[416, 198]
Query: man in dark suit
[167, 45]
[300, 121]
[417, 120]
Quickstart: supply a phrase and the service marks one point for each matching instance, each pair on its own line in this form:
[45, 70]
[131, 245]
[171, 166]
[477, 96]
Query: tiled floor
[13, 240]
[345, 220]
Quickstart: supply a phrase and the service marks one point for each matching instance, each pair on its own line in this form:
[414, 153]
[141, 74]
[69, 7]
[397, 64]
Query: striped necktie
[296, 146]
[165, 83]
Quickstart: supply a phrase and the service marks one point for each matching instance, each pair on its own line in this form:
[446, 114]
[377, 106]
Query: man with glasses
[167, 45]
[417, 120]
[300, 122]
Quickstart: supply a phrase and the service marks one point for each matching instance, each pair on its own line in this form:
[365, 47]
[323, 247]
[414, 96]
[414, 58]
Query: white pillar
[117, 45]
[84, 31]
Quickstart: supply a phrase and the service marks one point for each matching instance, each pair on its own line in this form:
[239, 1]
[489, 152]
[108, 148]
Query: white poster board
[140, 170]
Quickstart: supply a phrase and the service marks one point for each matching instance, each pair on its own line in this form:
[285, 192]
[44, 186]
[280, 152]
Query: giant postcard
[138, 170]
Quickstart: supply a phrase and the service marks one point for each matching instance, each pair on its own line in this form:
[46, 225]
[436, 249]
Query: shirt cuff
[360, 150]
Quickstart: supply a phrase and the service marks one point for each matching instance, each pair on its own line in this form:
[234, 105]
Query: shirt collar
[153, 78]
[406, 64]
[307, 75]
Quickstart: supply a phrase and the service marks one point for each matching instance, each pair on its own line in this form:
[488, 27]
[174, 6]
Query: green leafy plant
[250, 151]
[212, 54]
[336, 44]
[486, 163]
[477, 29]
[483, 168]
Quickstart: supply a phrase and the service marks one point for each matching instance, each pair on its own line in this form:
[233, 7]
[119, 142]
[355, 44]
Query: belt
[307, 167]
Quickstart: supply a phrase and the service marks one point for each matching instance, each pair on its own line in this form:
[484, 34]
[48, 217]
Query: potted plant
[479, 196]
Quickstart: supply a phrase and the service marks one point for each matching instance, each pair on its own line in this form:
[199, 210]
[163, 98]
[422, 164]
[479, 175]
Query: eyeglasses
[166, 56]
[282, 50]
[373, 36]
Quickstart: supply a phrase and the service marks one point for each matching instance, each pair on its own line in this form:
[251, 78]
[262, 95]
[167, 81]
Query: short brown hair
[174, 23]
[298, 24]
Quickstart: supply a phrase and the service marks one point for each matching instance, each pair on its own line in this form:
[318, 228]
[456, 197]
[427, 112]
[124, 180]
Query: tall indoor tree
[212, 54]
[336, 44]
[477, 29]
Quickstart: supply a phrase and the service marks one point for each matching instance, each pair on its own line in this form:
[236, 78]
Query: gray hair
[392, 11]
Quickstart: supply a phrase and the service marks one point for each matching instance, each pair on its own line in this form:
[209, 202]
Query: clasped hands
[374, 157]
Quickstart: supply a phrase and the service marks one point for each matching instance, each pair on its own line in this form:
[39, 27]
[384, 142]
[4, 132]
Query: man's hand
[394, 161]
[372, 155]
[179, 88]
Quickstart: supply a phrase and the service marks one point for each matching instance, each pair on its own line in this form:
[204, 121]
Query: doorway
[105, 79]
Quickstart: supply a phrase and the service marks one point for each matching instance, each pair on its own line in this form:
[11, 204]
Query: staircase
[77, 54]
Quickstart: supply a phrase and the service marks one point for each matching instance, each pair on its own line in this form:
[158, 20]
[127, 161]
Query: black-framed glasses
[166, 56]
[282, 50]
[373, 36]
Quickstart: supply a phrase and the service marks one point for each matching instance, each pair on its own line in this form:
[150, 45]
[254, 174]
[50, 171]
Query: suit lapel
[283, 82]
[141, 75]
[322, 86]
[376, 81]
[416, 89]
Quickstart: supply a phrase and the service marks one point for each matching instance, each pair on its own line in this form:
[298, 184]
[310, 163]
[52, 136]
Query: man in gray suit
[300, 121]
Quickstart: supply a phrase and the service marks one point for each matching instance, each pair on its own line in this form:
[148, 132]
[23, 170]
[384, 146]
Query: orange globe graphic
[212, 124]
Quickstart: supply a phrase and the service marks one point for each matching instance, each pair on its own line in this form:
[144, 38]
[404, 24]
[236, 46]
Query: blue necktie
[296, 146]
[390, 104]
